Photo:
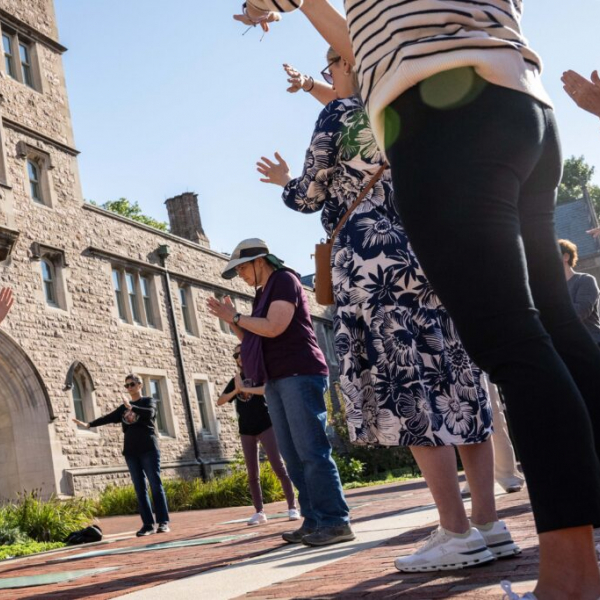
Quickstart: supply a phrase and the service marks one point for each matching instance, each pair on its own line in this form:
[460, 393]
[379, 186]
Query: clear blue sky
[168, 97]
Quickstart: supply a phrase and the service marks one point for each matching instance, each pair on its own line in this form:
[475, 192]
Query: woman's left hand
[224, 310]
[126, 403]
[277, 173]
[253, 16]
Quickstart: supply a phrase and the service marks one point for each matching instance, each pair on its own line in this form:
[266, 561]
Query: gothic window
[26, 68]
[35, 186]
[9, 57]
[20, 57]
[135, 297]
[190, 323]
[208, 423]
[49, 279]
[80, 384]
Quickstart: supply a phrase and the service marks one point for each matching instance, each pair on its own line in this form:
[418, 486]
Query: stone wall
[87, 328]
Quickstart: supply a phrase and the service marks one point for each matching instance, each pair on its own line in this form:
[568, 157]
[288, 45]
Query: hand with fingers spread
[298, 81]
[595, 233]
[253, 16]
[277, 173]
[6, 301]
[223, 309]
[586, 94]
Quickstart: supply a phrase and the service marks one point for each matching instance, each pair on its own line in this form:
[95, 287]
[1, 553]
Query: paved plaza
[214, 555]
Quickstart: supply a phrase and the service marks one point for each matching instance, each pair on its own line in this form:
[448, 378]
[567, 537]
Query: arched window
[35, 186]
[49, 279]
[78, 401]
[80, 383]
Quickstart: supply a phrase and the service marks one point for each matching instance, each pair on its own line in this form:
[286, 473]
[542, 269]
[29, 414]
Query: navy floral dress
[405, 377]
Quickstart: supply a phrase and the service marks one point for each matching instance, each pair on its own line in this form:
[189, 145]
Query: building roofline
[165, 234]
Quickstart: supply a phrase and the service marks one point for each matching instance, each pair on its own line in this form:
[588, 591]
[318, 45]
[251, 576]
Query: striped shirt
[398, 43]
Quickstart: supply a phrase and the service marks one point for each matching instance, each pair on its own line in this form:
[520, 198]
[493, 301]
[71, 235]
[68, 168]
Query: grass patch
[27, 548]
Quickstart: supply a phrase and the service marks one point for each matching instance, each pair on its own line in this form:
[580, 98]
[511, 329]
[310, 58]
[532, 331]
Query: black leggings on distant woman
[475, 186]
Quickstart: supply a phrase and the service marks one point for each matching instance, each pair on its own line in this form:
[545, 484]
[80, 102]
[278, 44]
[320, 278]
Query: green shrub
[117, 500]
[24, 549]
[195, 494]
[350, 469]
[12, 535]
[49, 520]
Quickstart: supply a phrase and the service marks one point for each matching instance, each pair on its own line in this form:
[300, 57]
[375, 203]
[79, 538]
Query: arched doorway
[26, 459]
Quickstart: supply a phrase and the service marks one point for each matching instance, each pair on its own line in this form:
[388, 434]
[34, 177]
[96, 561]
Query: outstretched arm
[331, 25]
[319, 90]
[325, 19]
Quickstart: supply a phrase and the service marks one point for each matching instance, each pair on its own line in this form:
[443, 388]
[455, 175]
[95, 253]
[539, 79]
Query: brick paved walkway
[365, 574]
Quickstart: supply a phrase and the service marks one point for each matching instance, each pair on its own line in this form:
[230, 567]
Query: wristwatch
[236, 318]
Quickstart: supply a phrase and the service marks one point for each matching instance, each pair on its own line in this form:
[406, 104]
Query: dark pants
[140, 467]
[475, 187]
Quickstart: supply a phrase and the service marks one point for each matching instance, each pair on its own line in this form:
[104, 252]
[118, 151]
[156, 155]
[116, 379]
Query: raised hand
[277, 173]
[224, 310]
[595, 233]
[6, 301]
[586, 94]
[296, 80]
[253, 16]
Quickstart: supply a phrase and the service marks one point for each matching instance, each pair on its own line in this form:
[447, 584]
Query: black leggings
[475, 187]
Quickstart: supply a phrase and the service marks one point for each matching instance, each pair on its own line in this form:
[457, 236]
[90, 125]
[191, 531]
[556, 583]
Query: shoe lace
[435, 537]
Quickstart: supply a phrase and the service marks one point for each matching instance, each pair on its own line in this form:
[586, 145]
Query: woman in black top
[138, 420]
[255, 426]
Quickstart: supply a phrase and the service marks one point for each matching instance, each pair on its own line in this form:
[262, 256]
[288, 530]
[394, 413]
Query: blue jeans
[140, 467]
[297, 409]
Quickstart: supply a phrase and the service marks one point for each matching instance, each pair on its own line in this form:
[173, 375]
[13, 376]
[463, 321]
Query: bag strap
[360, 198]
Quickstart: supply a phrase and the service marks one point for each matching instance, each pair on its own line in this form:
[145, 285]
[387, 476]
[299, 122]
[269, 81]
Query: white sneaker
[499, 541]
[444, 552]
[258, 518]
[293, 514]
[510, 595]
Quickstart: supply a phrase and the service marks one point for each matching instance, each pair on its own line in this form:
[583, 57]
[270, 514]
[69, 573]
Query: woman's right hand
[81, 423]
[277, 173]
[296, 80]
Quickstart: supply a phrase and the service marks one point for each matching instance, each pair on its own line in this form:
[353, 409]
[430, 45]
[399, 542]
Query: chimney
[184, 218]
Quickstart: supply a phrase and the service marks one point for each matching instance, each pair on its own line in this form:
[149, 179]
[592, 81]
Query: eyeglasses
[131, 384]
[326, 75]
[236, 355]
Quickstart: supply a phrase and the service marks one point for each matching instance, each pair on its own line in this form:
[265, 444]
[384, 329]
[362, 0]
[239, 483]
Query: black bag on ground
[84, 536]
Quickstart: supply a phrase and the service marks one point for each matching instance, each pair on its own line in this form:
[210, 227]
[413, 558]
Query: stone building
[97, 296]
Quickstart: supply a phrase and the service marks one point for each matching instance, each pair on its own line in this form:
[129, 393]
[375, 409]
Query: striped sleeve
[276, 5]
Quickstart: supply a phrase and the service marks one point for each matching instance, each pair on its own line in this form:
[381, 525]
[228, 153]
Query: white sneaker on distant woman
[258, 518]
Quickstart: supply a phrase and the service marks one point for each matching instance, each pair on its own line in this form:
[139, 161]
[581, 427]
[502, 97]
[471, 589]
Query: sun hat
[246, 251]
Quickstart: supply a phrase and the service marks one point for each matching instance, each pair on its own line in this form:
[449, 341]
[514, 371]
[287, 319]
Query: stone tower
[184, 218]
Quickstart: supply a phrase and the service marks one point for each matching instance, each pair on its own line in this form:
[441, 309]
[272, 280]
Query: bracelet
[312, 86]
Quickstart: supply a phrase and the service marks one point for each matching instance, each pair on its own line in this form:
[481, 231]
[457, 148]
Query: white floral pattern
[404, 373]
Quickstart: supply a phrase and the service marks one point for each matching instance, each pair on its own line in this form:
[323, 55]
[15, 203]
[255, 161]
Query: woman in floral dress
[405, 377]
